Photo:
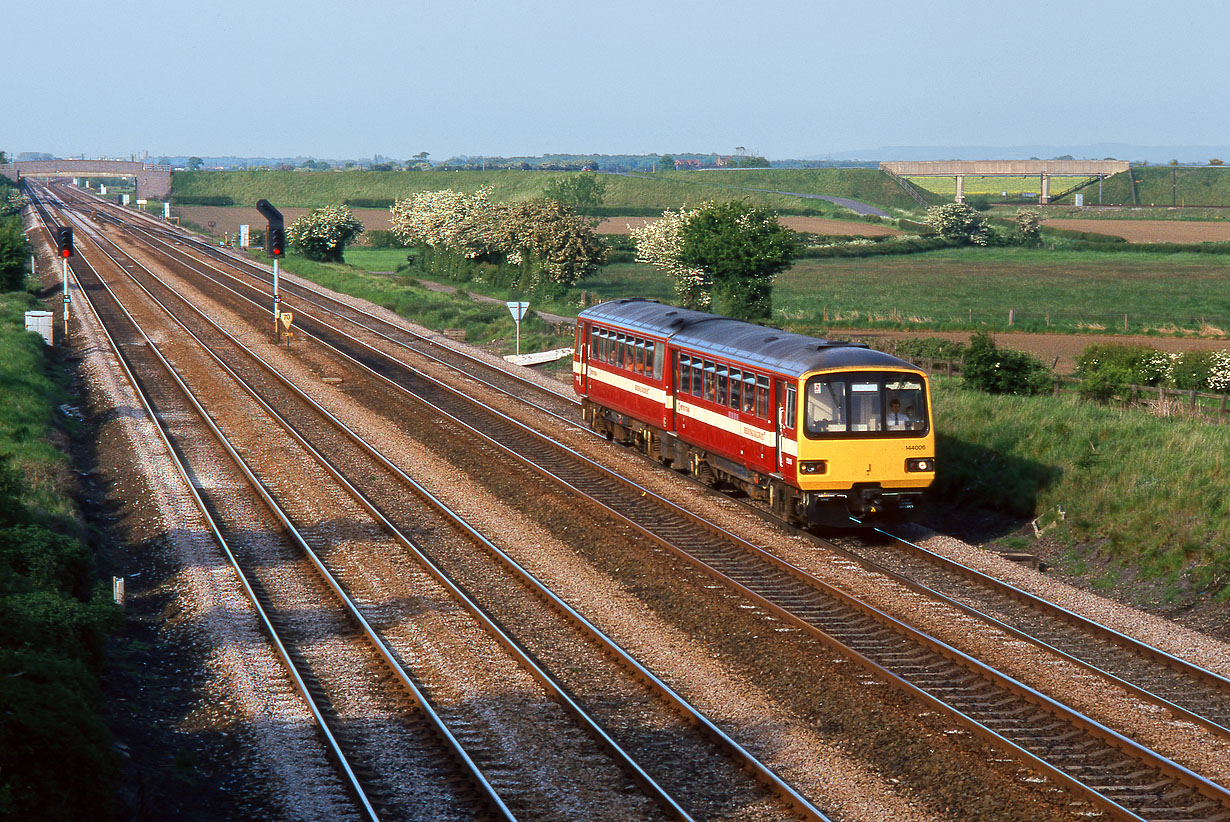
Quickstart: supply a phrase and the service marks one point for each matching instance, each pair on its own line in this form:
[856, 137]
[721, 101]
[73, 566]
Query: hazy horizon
[786, 79]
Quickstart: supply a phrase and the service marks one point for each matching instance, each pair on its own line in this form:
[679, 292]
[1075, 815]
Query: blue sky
[783, 78]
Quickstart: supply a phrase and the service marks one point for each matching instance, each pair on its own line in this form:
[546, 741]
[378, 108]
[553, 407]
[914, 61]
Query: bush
[381, 238]
[996, 371]
[1105, 384]
[1136, 364]
[1190, 371]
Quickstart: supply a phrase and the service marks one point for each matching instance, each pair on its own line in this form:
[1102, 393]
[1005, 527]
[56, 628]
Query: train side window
[723, 390]
[736, 388]
[683, 374]
[791, 403]
[603, 346]
[762, 397]
[749, 394]
[657, 360]
[697, 376]
[619, 351]
[709, 381]
[638, 357]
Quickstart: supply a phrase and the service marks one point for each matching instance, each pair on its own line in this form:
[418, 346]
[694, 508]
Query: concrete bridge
[153, 182]
[1045, 169]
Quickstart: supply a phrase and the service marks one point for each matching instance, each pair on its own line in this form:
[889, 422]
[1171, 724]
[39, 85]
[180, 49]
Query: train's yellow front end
[866, 447]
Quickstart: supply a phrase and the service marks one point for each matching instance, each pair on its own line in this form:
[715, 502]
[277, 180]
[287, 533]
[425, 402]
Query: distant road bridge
[153, 182]
[1045, 169]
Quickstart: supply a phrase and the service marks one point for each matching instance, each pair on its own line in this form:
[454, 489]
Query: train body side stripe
[728, 424]
[631, 386]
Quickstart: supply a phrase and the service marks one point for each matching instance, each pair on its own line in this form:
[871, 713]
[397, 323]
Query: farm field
[1150, 231]
[1056, 291]
[815, 225]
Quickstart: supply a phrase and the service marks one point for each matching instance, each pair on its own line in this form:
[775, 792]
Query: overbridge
[1045, 169]
[153, 182]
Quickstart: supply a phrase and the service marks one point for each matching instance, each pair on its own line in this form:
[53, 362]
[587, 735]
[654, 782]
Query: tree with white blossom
[324, 233]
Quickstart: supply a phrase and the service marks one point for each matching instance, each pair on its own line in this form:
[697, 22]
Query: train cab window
[865, 405]
[905, 405]
[709, 381]
[723, 395]
[762, 397]
[826, 406]
[749, 394]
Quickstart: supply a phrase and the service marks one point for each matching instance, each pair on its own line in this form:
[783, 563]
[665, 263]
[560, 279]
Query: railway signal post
[64, 244]
[275, 245]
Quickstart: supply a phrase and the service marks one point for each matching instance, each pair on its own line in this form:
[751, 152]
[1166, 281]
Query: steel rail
[552, 686]
[1110, 737]
[1111, 732]
[799, 803]
[331, 742]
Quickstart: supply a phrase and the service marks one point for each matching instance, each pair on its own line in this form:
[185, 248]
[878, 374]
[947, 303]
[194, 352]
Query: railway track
[1037, 743]
[310, 419]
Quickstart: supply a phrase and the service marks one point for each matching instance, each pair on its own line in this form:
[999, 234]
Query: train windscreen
[865, 405]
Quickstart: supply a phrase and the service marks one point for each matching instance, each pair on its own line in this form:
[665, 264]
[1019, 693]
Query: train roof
[756, 345]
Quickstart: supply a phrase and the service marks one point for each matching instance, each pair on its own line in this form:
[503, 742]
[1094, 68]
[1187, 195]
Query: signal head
[64, 240]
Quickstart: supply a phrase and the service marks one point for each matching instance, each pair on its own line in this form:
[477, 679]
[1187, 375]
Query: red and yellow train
[828, 433]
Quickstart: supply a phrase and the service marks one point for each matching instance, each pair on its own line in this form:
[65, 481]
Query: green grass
[1140, 492]
[960, 289]
[645, 194]
[31, 392]
[975, 288]
[1163, 186]
[486, 324]
[376, 259]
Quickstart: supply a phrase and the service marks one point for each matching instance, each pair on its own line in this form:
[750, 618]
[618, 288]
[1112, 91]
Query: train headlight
[813, 467]
[924, 464]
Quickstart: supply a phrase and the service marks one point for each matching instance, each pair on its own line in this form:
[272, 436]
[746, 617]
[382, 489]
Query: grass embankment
[1162, 186]
[485, 323]
[645, 195]
[1144, 496]
[55, 756]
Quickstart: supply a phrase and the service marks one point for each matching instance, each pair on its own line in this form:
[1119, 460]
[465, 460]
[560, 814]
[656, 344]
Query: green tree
[666, 162]
[742, 248]
[581, 192]
[195, 163]
[959, 222]
[324, 233]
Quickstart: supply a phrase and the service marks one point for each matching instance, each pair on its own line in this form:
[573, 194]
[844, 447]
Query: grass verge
[1144, 495]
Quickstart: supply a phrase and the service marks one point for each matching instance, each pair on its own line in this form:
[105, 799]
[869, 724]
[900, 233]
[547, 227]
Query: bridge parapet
[153, 182]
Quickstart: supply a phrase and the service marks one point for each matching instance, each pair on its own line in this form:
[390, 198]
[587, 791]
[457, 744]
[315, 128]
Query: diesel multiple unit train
[825, 433]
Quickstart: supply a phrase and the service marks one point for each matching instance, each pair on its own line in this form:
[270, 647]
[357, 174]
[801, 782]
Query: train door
[668, 359]
[787, 433]
[581, 358]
